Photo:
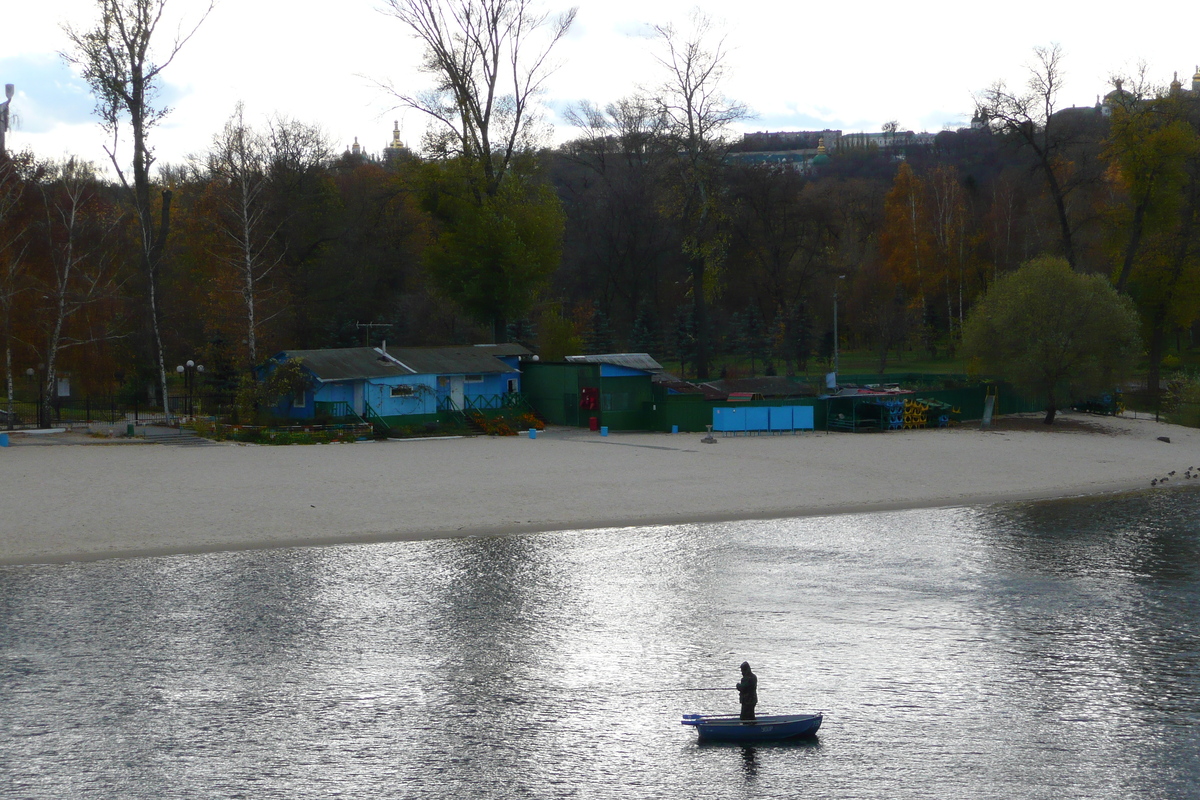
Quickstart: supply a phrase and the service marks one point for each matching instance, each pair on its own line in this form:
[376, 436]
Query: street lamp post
[189, 370]
[835, 329]
[37, 376]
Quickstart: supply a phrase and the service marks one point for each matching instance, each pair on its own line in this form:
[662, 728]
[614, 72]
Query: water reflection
[749, 763]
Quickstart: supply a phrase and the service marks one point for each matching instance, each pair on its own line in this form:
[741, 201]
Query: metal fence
[64, 412]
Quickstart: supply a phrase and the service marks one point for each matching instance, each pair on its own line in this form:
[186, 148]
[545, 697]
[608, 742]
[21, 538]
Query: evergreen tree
[599, 338]
[643, 338]
[796, 341]
[685, 337]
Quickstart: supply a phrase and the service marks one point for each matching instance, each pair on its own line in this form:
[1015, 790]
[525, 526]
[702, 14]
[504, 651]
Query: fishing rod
[664, 691]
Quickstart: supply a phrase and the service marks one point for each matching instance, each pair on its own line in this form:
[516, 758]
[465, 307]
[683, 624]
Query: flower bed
[290, 434]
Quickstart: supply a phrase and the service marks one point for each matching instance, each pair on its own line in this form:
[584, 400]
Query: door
[358, 398]
[456, 390]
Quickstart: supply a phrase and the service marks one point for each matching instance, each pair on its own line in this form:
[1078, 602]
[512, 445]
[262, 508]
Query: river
[1042, 650]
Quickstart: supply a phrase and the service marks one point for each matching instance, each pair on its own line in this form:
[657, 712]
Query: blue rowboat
[729, 728]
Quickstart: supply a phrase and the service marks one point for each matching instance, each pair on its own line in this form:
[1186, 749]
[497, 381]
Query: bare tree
[500, 236]
[618, 234]
[1030, 118]
[116, 60]
[80, 268]
[627, 133]
[240, 162]
[948, 212]
[489, 69]
[697, 117]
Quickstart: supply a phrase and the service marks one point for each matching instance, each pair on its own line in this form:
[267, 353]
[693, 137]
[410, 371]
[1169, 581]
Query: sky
[797, 66]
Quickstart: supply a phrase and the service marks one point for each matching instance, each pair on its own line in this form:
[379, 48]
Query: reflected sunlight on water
[1048, 649]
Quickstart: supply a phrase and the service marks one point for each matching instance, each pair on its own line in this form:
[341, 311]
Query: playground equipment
[924, 413]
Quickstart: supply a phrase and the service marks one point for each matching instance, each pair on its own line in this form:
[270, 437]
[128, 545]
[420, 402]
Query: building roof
[641, 361]
[347, 363]
[353, 363]
[456, 360]
[506, 349]
[767, 386]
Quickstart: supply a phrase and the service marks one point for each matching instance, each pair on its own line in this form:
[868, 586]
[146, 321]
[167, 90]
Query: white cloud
[852, 67]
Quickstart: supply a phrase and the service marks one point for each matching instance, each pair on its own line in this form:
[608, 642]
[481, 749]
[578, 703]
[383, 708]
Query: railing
[484, 402]
[496, 402]
[377, 422]
[106, 410]
[336, 409]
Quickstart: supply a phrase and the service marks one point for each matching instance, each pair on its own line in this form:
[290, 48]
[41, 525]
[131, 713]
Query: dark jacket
[748, 688]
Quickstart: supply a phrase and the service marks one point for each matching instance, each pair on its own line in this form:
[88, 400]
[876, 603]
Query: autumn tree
[697, 115]
[906, 241]
[118, 63]
[1054, 332]
[1148, 148]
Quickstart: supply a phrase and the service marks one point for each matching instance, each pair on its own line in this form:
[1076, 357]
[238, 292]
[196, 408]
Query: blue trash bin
[604, 430]
[674, 429]
[533, 433]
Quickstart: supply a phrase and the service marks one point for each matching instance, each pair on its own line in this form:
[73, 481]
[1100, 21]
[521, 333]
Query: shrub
[1181, 401]
[526, 421]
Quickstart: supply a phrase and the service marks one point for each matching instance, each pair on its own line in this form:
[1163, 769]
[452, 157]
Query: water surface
[1028, 651]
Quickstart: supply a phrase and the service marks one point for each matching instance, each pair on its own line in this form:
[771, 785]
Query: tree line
[647, 232]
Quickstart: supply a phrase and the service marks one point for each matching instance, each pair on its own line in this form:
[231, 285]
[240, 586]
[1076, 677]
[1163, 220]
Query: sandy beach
[92, 499]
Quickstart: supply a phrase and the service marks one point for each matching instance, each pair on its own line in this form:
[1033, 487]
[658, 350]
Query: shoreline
[86, 503]
[597, 525]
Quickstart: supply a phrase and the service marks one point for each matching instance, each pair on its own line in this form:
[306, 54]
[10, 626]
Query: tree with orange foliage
[906, 241]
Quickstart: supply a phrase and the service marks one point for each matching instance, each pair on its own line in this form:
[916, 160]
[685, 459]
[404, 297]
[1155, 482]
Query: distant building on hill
[396, 151]
[1118, 96]
[806, 151]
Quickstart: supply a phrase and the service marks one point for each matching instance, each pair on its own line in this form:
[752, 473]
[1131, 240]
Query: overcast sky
[852, 66]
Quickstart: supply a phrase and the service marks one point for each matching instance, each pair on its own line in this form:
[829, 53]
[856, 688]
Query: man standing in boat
[747, 692]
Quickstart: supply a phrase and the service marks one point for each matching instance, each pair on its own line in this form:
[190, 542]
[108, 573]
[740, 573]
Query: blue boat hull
[764, 729]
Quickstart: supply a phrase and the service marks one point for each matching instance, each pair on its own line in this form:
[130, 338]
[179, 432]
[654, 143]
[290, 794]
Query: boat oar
[664, 691]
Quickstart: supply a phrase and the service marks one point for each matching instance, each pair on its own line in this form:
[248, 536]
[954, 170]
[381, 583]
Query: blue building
[406, 385]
